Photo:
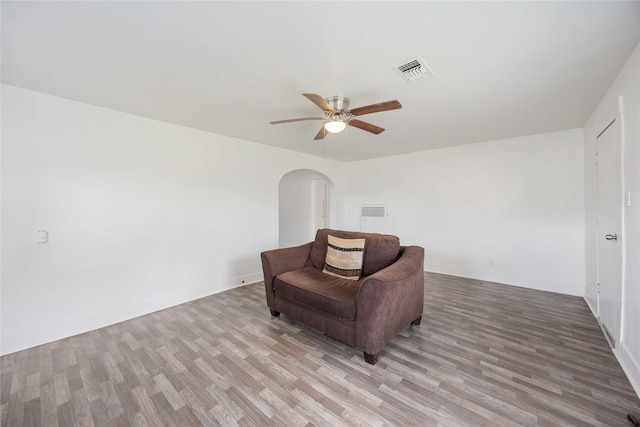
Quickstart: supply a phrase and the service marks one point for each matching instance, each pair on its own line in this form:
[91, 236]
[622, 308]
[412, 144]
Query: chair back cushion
[380, 250]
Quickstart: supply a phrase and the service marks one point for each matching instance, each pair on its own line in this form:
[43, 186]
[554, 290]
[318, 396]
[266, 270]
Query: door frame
[315, 183]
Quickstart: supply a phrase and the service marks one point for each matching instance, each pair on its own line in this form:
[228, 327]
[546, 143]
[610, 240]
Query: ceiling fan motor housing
[338, 103]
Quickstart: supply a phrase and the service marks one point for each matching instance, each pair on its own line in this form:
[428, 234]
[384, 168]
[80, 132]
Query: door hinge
[598, 287]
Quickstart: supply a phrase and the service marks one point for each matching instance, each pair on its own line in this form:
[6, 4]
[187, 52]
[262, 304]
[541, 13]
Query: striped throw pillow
[344, 257]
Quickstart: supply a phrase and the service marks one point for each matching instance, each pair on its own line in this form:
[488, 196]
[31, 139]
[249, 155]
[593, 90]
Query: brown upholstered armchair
[365, 313]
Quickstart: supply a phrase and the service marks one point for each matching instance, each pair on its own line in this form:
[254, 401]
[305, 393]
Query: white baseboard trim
[591, 307]
[630, 366]
[48, 333]
[575, 289]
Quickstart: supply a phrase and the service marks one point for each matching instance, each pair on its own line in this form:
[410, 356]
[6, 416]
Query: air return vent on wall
[414, 70]
[373, 218]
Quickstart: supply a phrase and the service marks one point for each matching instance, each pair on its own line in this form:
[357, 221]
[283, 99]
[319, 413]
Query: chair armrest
[279, 261]
[389, 300]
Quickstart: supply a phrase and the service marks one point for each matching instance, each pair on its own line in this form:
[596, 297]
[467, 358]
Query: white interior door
[320, 204]
[610, 201]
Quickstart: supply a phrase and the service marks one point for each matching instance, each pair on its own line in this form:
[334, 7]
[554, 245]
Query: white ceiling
[503, 69]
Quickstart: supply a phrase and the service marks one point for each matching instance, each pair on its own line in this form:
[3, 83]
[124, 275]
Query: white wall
[627, 85]
[141, 214]
[510, 211]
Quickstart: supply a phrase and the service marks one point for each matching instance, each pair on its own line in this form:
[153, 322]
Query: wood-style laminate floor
[485, 354]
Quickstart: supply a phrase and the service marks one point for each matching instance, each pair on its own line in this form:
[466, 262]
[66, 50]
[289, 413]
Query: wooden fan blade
[366, 126]
[277, 122]
[376, 108]
[321, 134]
[319, 101]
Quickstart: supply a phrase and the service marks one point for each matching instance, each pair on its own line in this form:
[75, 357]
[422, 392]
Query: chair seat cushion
[312, 288]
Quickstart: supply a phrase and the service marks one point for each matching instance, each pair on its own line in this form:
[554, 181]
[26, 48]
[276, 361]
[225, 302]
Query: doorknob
[611, 236]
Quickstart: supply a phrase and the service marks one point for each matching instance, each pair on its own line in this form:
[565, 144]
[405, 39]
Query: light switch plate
[42, 236]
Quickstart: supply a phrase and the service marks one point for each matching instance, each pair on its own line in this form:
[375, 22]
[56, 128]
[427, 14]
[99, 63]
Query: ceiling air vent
[414, 70]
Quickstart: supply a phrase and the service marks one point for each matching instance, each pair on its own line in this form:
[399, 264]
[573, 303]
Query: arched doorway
[303, 206]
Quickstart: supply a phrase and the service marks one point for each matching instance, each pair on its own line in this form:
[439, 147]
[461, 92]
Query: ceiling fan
[337, 114]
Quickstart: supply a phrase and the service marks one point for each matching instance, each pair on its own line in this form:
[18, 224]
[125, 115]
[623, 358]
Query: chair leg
[371, 359]
[417, 321]
[274, 313]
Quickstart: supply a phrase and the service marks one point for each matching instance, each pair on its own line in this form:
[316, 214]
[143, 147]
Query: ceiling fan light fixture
[335, 126]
